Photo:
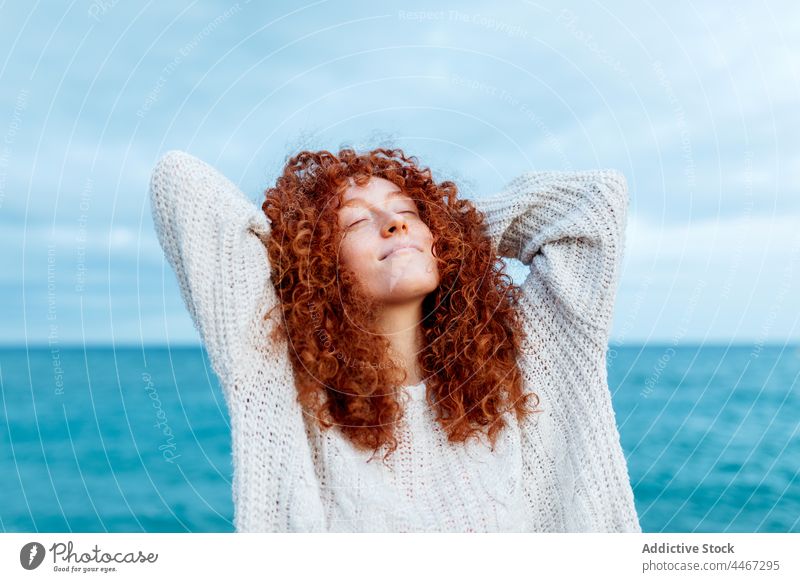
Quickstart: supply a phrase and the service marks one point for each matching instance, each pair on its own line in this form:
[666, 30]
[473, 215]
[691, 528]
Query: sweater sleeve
[206, 227]
[568, 227]
[214, 239]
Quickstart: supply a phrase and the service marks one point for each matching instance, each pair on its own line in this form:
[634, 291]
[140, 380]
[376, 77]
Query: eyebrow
[362, 202]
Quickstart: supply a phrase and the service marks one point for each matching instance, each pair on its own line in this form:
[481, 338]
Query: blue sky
[695, 102]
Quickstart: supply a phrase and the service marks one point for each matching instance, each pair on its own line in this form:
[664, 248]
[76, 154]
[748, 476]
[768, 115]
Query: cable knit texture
[562, 470]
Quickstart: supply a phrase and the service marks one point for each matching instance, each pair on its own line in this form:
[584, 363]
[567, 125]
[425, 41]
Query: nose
[394, 225]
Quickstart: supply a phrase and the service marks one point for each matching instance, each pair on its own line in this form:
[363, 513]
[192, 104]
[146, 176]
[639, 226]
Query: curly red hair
[471, 328]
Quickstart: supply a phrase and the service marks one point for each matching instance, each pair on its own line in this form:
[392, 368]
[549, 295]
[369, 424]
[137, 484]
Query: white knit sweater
[562, 470]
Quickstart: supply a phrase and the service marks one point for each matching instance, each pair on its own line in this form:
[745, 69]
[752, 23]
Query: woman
[364, 309]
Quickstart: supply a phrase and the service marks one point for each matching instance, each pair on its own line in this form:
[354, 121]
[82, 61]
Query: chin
[408, 289]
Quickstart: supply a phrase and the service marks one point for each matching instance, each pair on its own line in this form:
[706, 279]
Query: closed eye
[403, 212]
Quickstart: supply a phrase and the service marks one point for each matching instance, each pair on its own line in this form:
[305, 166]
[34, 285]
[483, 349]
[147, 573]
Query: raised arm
[568, 227]
[210, 235]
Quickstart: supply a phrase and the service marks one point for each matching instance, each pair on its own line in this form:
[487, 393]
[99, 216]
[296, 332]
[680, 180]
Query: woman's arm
[214, 238]
[568, 227]
[210, 235]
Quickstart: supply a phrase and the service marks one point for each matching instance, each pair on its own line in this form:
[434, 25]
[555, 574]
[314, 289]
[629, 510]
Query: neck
[401, 326]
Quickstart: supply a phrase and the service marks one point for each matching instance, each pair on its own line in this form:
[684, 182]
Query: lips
[401, 246]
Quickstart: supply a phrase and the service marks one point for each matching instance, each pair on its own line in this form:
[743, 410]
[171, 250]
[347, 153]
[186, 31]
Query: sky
[695, 102]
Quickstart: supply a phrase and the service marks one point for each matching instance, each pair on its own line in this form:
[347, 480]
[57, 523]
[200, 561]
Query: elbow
[163, 178]
[165, 169]
[613, 189]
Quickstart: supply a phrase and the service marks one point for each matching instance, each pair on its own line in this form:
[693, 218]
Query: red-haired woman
[365, 309]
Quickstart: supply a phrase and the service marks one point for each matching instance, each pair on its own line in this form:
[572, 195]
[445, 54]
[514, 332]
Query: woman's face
[378, 219]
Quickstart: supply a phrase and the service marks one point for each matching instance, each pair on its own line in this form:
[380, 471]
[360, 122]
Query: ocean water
[138, 440]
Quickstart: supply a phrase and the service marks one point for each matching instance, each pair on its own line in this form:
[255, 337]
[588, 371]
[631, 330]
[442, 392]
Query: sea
[137, 439]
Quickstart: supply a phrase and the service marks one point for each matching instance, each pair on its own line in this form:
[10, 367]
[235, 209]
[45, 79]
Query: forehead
[373, 192]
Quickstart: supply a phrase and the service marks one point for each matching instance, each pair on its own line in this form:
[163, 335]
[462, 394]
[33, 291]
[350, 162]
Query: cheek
[351, 255]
